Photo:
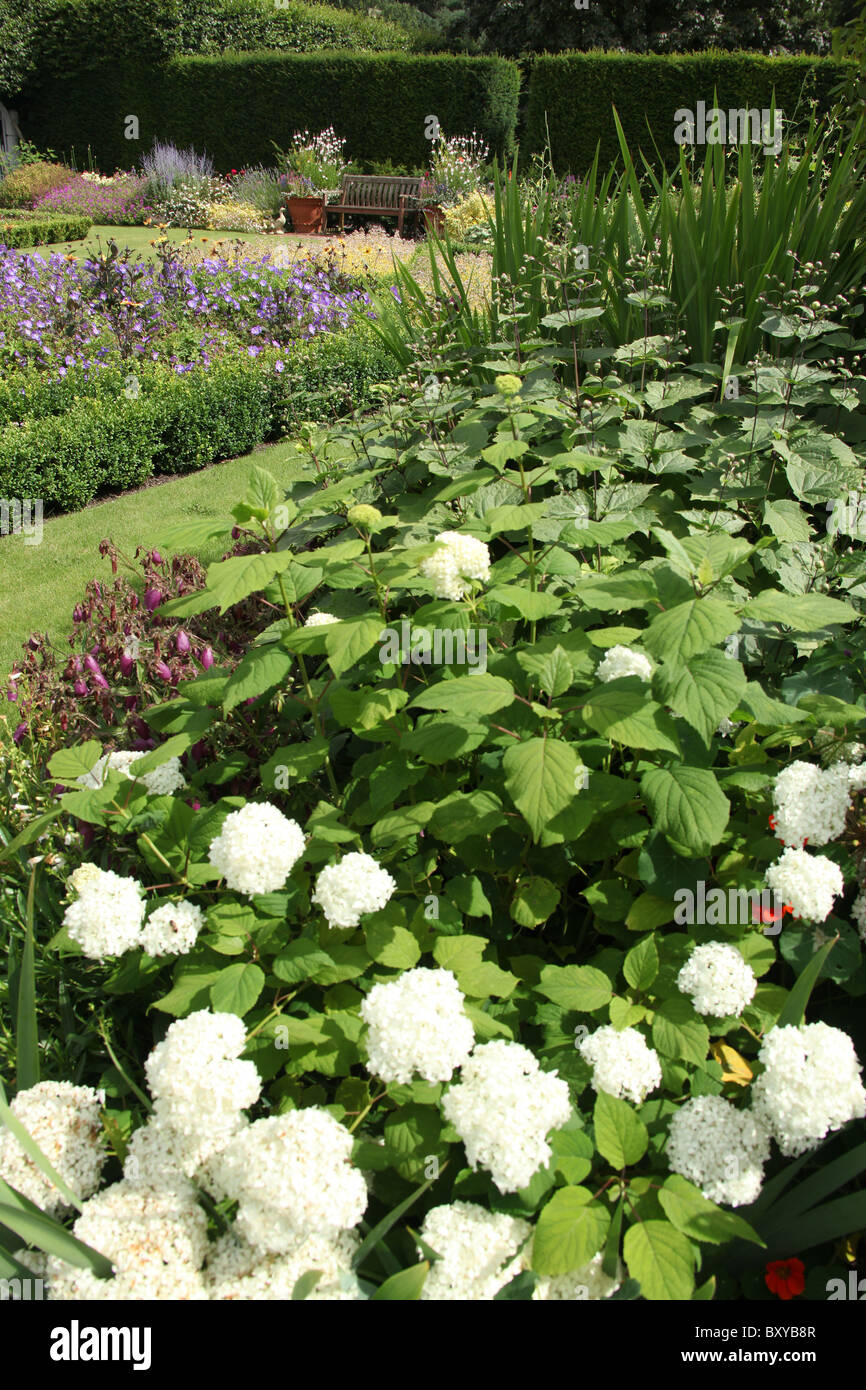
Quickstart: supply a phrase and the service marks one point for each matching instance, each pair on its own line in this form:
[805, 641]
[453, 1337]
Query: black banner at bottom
[150, 1338]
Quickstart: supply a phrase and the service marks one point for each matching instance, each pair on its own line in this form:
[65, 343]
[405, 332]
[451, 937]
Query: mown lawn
[42, 583]
[355, 251]
[140, 238]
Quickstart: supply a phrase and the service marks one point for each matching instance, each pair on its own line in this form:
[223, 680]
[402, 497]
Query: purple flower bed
[121, 203]
[58, 314]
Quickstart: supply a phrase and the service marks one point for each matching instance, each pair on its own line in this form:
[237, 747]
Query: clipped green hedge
[72, 439]
[233, 106]
[96, 446]
[205, 415]
[573, 95]
[40, 229]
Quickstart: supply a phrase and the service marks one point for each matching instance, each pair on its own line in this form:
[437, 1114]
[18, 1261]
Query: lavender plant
[166, 167]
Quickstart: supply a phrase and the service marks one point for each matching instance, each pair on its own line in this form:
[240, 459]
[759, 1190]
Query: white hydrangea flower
[811, 803]
[807, 883]
[161, 781]
[480, 1252]
[200, 1086]
[839, 752]
[291, 1176]
[201, 1038]
[172, 929]
[719, 1148]
[115, 762]
[622, 661]
[858, 912]
[320, 620]
[622, 1063]
[857, 779]
[105, 919]
[84, 875]
[589, 1283]
[257, 848]
[727, 727]
[503, 1109]
[458, 559]
[155, 1157]
[63, 1120]
[165, 779]
[156, 1241]
[718, 980]
[355, 886]
[581, 778]
[417, 1025]
[810, 1085]
[237, 1270]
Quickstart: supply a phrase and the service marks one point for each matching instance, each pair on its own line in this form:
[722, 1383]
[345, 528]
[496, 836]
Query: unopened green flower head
[508, 385]
[365, 516]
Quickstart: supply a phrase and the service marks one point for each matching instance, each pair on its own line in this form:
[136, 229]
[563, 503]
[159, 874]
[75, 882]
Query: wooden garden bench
[377, 195]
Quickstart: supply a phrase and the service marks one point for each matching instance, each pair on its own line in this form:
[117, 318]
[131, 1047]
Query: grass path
[42, 583]
[353, 252]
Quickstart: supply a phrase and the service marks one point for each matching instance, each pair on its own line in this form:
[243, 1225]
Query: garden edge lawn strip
[41, 583]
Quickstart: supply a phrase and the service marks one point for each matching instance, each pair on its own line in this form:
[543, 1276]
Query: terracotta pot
[307, 214]
[434, 218]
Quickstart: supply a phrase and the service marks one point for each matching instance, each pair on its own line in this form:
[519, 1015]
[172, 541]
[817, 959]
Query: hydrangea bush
[523, 977]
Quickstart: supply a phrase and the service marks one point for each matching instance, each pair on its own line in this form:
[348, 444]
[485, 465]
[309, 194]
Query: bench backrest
[378, 191]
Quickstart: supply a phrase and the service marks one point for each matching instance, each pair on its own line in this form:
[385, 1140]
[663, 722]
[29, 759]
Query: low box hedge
[96, 446]
[68, 441]
[21, 229]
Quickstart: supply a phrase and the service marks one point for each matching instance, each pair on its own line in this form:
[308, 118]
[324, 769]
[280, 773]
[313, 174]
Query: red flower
[786, 1278]
[769, 914]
